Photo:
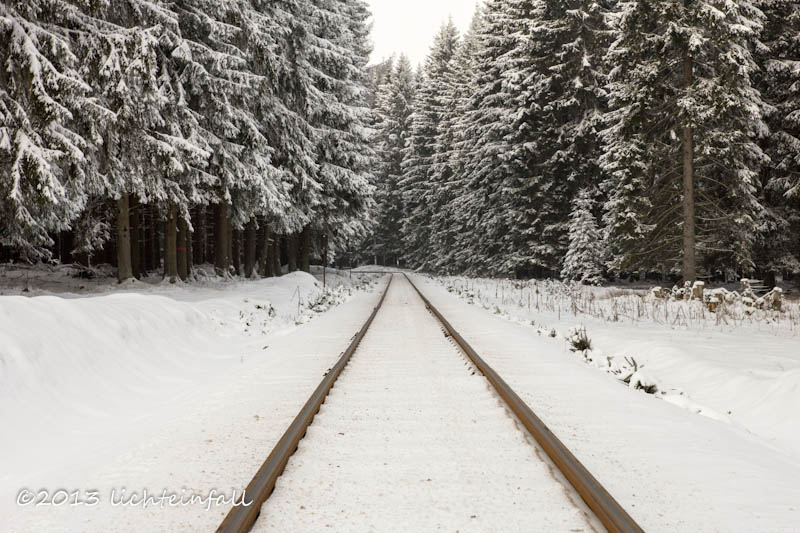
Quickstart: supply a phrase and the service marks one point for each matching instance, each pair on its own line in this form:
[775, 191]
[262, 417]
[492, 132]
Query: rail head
[610, 513]
[242, 517]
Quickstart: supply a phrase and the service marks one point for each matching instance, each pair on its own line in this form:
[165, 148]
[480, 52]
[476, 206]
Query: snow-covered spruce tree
[43, 164]
[151, 147]
[338, 53]
[460, 255]
[275, 136]
[289, 127]
[218, 83]
[778, 247]
[584, 260]
[418, 189]
[393, 110]
[556, 82]
[447, 179]
[681, 154]
[482, 150]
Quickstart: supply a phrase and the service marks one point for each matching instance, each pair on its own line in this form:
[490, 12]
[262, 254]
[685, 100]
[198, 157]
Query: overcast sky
[410, 25]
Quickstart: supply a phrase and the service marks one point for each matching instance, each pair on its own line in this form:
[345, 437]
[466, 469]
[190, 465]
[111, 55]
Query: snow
[123, 384]
[743, 370]
[167, 388]
[670, 468]
[414, 437]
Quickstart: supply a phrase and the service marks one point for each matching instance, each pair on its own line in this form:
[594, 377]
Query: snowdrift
[80, 368]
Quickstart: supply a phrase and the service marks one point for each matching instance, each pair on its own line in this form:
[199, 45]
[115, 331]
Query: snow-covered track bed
[418, 433]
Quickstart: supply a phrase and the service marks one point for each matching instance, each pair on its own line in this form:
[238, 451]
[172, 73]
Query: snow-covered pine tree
[556, 82]
[393, 109]
[289, 128]
[377, 76]
[585, 256]
[681, 154]
[447, 179]
[151, 147]
[278, 141]
[219, 88]
[418, 190]
[778, 247]
[338, 53]
[461, 254]
[482, 148]
[43, 163]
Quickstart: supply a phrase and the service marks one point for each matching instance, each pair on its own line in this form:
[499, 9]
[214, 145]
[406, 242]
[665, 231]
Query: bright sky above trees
[409, 26]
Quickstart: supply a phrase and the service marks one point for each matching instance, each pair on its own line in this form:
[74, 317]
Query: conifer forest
[574, 139]
[399, 265]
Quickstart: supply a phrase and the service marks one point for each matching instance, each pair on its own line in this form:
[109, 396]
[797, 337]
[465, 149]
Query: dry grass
[617, 304]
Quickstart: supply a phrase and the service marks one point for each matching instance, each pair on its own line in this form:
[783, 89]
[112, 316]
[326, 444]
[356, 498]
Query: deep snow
[670, 468]
[90, 382]
[192, 388]
[413, 439]
[743, 372]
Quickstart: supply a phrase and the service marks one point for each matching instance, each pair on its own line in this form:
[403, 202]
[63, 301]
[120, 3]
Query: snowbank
[106, 369]
[743, 370]
[672, 470]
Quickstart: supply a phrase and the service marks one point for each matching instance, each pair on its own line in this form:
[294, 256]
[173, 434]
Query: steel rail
[242, 517]
[612, 515]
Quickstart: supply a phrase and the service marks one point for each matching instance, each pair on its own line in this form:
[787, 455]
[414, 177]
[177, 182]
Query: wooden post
[324, 259]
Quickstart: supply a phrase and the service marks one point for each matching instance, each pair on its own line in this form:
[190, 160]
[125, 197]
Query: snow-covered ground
[672, 469]
[741, 368]
[413, 439]
[186, 389]
[90, 380]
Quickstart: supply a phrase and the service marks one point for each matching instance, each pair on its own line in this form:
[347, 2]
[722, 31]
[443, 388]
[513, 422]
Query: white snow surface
[169, 388]
[741, 370]
[670, 468]
[413, 438]
[156, 390]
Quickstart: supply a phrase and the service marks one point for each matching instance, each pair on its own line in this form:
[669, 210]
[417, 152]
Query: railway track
[413, 435]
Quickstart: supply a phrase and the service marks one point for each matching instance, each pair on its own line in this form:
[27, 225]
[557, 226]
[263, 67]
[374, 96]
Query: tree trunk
[183, 248]
[124, 268]
[221, 245]
[250, 233]
[689, 264]
[230, 243]
[269, 252]
[261, 249]
[291, 251]
[305, 246]
[189, 250]
[199, 223]
[136, 236]
[171, 244]
[236, 251]
[277, 271]
[155, 237]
